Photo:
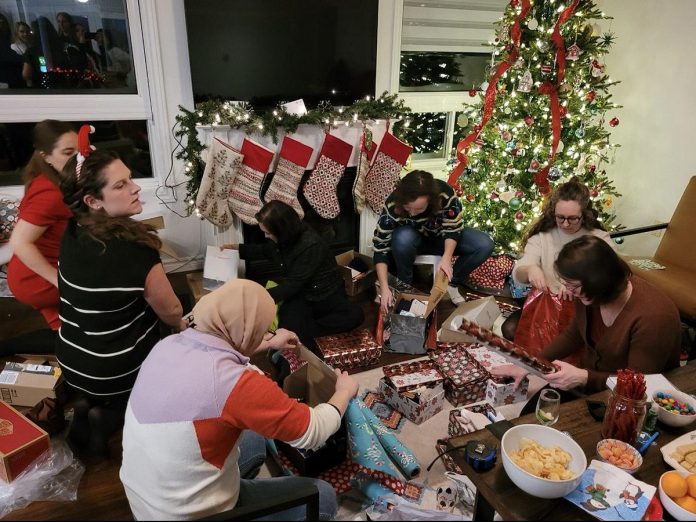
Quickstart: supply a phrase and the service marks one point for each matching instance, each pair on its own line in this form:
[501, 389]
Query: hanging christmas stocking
[294, 157]
[367, 152]
[320, 189]
[381, 179]
[245, 199]
[214, 192]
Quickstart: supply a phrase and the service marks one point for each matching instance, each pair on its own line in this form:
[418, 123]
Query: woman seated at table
[621, 320]
[312, 292]
[193, 436]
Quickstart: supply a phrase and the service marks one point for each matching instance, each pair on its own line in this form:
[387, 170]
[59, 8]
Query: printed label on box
[8, 377]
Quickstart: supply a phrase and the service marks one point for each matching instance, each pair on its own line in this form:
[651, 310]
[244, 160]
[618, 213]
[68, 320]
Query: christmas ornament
[533, 23]
[533, 166]
[608, 202]
[564, 88]
[619, 240]
[462, 120]
[245, 200]
[519, 216]
[563, 110]
[554, 174]
[293, 159]
[509, 170]
[459, 191]
[508, 196]
[580, 132]
[594, 193]
[526, 82]
[614, 121]
[493, 196]
[504, 33]
[484, 86]
[506, 135]
[590, 95]
[593, 168]
[470, 197]
[519, 63]
[573, 52]
[507, 110]
[528, 120]
[479, 142]
[543, 46]
[320, 188]
[546, 68]
[515, 203]
[596, 70]
[472, 92]
[510, 145]
[519, 194]
[560, 147]
[500, 186]
[383, 175]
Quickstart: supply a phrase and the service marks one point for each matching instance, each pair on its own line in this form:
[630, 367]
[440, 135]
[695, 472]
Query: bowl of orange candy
[619, 454]
[678, 494]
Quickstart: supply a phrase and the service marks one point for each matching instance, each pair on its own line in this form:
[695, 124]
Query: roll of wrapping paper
[369, 487]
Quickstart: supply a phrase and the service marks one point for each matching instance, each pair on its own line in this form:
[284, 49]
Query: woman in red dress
[32, 273]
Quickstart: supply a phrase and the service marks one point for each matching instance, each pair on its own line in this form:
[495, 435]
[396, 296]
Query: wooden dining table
[497, 493]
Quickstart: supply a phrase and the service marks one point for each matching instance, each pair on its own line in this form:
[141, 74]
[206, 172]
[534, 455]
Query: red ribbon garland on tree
[541, 178]
[491, 91]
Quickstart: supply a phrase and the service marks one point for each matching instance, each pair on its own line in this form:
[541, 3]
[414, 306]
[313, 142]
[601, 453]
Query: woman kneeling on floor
[193, 436]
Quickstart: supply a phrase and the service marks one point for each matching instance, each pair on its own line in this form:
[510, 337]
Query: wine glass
[548, 407]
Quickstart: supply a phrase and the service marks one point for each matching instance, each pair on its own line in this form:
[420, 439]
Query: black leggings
[94, 421]
[310, 319]
[37, 342]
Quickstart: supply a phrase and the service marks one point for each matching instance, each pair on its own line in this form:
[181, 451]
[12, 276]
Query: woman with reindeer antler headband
[114, 292]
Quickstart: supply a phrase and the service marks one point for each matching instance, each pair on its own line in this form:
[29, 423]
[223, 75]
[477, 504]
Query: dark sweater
[646, 337]
[308, 267]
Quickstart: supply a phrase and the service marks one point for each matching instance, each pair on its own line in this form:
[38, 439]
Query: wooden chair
[677, 252]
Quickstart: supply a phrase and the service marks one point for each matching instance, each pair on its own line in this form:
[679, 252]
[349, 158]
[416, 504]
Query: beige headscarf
[240, 311]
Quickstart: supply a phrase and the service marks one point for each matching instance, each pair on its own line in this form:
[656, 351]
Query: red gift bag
[544, 317]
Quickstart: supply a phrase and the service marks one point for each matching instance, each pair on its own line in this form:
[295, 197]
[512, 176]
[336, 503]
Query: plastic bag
[544, 317]
[54, 478]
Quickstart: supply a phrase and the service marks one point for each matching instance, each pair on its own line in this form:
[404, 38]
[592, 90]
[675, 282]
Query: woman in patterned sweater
[424, 216]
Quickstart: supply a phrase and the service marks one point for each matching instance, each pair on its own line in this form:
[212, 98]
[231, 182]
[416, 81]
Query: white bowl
[672, 419]
[547, 437]
[674, 509]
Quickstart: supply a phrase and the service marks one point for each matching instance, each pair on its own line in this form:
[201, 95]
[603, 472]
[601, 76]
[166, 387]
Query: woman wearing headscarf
[192, 440]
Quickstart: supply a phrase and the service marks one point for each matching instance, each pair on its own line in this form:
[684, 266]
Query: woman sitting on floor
[312, 294]
[620, 320]
[113, 293]
[193, 436]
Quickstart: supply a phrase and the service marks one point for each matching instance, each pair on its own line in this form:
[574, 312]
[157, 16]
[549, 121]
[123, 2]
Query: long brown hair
[281, 220]
[572, 190]
[413, 185]
[98, 224]
[45, 136]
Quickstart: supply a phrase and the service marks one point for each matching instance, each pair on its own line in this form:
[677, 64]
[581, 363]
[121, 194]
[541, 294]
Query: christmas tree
[541, 121]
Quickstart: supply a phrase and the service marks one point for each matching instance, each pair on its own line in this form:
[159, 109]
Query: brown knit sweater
[646, 337]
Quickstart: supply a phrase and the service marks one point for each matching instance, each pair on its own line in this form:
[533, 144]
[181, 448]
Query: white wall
[653, 58]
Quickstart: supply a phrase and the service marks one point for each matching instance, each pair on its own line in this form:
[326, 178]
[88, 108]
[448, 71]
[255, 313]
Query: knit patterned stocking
[367, 152]
[245, 199]
[320, 189]
[381, 179]
[213, 195]
[294, 157]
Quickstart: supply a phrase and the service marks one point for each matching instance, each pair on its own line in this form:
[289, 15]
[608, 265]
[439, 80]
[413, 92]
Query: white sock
[454, 295]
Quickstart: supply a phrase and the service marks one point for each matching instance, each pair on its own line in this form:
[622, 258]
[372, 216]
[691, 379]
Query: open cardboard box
[484, 312]
[28, 382]
[314, 384]
[356, 283]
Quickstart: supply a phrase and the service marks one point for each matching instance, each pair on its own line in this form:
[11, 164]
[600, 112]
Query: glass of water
[548, 407]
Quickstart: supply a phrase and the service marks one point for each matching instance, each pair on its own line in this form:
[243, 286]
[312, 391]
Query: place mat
[647, 264]
[390, 417]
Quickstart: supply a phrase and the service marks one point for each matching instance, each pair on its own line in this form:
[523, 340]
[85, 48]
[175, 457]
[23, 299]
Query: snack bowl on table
[548, 438]
[674, 509]
[673, 415]
[619, 454]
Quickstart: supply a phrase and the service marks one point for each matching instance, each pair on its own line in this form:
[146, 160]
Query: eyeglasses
[572, 220]
[571, 286]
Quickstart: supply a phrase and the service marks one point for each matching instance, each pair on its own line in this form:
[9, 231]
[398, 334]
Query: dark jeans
[473, 248]
[252, 454]
[310, 319]
[37, 342]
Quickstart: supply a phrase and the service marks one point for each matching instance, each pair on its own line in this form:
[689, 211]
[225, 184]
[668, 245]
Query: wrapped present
[417, 406]
[499, 390]
[23, 443]
[411, 375]
[349, 350]
[465, 378]
[471, 418]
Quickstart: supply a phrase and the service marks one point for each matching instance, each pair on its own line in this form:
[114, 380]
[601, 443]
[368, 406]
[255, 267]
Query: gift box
[484, 312]
[471, 418]
[28, 382]
[411, 375]
[21, 442]
[313, 384]
[431, 400]
[349, 350]
[465, 378]
[499, 390]
[356, 281]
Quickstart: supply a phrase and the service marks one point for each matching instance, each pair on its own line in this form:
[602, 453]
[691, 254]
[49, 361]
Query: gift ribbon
[491, 91]
[541, 178]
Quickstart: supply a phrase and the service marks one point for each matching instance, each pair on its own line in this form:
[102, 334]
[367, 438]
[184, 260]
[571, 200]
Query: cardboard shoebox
[484, 312]
[349, 350]
[499, 390]
[21, 442]
[472, 418]
[355, 281]
[313, 384]
[465, 378]
[417, 333]
[28, 382]
[415, 407]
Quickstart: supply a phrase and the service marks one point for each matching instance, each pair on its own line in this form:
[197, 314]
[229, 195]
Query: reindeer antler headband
[84, 148]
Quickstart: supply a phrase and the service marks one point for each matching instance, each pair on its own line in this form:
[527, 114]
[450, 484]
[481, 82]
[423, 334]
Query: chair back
[678, 245]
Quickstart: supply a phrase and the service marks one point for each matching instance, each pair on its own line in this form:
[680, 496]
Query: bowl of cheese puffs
[542, 461]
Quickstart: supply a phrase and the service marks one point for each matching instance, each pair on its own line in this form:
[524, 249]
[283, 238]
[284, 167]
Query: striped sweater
[107, 326]
[448, 222]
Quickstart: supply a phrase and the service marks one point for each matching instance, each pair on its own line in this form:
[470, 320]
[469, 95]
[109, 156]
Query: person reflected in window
[22, 38]
[119, 63]
[73, 56]
[84, 42]
[10, 61]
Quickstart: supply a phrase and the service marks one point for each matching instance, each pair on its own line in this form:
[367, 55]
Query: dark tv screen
[269, 51]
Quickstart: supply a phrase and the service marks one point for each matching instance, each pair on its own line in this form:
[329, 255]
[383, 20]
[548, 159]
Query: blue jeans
[473, 248]
[252, 448]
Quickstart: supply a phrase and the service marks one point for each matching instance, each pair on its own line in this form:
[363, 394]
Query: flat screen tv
[269, 51]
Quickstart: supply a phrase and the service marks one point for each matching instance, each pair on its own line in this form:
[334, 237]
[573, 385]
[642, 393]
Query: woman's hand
[567, 376]
[446, 266]
[565, 295]
[385, 298]
[183, 325]
[346, 385]
[536, 278]
[230, 246]
[510, 370]
[283, 339]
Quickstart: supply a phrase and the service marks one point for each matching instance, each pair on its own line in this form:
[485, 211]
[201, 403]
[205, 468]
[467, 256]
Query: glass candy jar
[624, 417]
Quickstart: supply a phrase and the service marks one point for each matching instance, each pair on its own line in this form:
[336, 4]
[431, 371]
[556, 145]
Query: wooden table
[496, 492]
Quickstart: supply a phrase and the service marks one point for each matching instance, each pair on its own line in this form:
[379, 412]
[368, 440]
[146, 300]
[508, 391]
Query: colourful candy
[666, 401]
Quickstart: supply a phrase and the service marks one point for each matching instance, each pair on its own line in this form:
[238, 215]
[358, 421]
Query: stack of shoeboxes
[415, 389]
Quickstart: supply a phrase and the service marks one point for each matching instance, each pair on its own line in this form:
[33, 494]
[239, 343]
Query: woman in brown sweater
[621, 320]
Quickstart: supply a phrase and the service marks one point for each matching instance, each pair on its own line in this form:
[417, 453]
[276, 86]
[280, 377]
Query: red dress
[42, 205]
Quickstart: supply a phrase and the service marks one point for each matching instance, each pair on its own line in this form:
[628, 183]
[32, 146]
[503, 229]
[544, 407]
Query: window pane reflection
[60, 47]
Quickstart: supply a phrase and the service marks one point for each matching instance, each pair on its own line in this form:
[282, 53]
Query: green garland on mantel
[242, 116]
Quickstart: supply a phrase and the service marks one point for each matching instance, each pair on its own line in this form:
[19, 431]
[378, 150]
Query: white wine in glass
[548, 407]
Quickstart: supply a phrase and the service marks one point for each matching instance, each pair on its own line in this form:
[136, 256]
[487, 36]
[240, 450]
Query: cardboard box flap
[483, 312]
[438, 290]
[315, 382]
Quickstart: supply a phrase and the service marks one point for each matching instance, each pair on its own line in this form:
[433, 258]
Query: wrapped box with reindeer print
[416, 406]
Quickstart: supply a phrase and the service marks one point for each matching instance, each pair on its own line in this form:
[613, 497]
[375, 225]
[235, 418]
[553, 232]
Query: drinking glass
[548, 407]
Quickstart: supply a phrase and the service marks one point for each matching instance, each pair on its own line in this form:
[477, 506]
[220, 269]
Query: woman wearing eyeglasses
[566, 215]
